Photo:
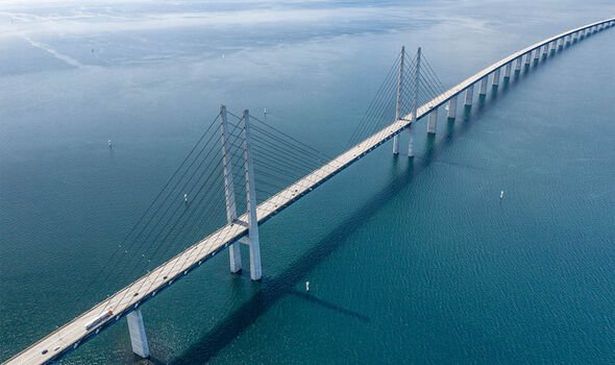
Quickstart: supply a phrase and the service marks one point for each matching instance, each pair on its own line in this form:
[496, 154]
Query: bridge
[414, 91]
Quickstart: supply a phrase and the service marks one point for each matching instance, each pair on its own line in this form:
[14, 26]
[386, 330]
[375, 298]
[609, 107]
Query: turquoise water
[408, 262]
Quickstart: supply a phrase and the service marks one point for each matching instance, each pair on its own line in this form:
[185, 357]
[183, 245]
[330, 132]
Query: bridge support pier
[452, 108]
[396, 144]
[507, 71]
[432, 124]
[410, 141]
[518, 65]
[229, 191]
[253, 240]
[469, 95]
[528, 57]
[482, 91]
[496, 79]
[536, 55]
[138, 338]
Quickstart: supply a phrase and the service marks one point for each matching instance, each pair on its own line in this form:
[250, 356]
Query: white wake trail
[62, 57]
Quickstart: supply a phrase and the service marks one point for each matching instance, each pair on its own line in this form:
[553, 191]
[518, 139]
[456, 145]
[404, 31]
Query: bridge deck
[74, 333]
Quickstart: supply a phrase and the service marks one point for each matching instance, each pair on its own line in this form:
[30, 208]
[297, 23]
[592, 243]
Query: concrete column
[507, 71]
[553, 46]
[482, 91]
[536, 54]
[396, 144]
[400, 84]
[253, 236]
[432, 124]
[568, 40]
[528, 57]
[410, 141]
[469, 95]
[229, 189]
[518, 64]
[496, 78]
[452, 107]
[138, 338]
[545, 50]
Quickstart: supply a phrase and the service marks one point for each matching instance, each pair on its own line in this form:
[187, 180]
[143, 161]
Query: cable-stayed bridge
[243, 171]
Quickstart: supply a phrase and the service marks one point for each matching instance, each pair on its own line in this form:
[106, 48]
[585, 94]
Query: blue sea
[409, 261]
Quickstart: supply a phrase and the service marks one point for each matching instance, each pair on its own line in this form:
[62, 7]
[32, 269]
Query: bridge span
[244, 228]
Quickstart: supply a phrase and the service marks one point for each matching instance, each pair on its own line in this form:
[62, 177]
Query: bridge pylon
[415, 102]
[252, 240]
[398, 105]
[229, 189]
[251, 203]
